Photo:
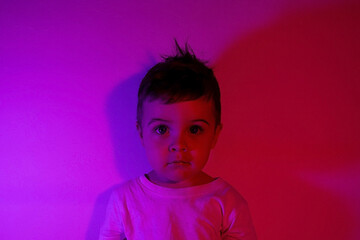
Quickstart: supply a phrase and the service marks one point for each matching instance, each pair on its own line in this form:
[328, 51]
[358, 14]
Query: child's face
[178, 139]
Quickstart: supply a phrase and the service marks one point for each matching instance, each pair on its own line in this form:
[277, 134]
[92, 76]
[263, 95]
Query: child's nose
[178, 144]
[178, 148]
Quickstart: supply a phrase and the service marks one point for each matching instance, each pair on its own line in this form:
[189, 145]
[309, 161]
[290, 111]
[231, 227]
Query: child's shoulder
[228, 193]
[126, 187]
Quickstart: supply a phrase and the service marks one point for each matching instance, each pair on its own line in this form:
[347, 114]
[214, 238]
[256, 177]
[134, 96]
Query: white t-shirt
[139, 209]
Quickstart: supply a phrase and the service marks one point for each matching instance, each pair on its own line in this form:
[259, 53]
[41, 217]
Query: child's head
[178, 118]
[180, 78]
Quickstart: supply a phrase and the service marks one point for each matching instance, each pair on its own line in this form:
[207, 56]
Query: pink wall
[289, 74]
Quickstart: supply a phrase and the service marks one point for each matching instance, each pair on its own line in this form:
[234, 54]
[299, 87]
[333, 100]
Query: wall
[289, 74]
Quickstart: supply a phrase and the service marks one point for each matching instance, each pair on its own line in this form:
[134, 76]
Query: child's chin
[179, 176]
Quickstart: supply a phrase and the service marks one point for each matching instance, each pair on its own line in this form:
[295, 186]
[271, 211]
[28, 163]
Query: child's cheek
[159, 145]
[198, 142]
[160, 141]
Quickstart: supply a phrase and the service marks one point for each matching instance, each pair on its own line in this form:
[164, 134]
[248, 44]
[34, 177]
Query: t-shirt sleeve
[237, 222]
[112, 228]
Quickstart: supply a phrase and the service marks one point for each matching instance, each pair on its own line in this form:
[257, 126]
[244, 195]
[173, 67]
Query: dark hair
[177, 78]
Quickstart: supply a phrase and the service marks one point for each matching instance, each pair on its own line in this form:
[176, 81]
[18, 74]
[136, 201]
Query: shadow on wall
[129, 155]
[291, 95]
[121, 111]
[98, 215]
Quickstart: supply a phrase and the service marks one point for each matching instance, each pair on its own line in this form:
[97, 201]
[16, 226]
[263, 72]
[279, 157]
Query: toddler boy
[179, 121]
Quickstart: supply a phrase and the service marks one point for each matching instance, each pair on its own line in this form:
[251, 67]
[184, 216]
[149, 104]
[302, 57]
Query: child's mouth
[179, 163]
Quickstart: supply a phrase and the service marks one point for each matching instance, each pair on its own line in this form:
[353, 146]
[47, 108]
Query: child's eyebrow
[157, 120]
[201, 120]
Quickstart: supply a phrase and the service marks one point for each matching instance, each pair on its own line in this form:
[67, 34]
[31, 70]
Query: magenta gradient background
[289, 73]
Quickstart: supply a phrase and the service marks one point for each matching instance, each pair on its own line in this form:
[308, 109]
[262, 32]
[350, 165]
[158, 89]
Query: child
[178, 120]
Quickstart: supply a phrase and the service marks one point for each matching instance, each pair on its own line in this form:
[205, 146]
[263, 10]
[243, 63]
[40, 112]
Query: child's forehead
[185, 104]
[191, 108]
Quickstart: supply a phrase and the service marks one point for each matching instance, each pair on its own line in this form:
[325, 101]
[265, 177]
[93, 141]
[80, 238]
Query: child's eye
[196, 129]
[161, 130]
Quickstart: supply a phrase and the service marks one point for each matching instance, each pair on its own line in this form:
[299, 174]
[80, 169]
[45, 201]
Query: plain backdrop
[289, 74]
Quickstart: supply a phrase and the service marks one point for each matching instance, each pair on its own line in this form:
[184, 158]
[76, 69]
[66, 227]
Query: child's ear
[217, 133]
[139, 129]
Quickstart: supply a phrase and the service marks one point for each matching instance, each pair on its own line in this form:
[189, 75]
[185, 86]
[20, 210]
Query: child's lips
[177, 162]
[179, 159]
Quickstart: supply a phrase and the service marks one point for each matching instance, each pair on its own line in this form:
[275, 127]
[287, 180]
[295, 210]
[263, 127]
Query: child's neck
[199, 179]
